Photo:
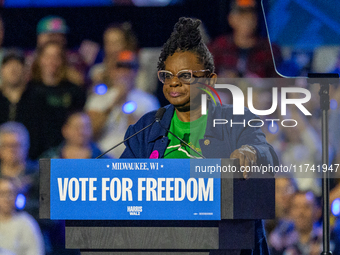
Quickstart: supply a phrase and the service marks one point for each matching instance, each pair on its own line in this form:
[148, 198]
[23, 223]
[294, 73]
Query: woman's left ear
[212, 79]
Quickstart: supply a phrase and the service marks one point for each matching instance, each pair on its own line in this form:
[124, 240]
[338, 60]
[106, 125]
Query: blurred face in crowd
[12, 149]
[243, 22]
[51, 60]
[124, 76]
[284, 192]
[78, 130]
[43, 38]
[293, 137]
[13, 73]
[114, 42]
[7, 197]
[304, 211]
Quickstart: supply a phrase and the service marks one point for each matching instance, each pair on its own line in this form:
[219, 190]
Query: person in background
[279, 230]
[18, 102]
[285, 188]
[243, 52]
[19, 232]
[307, 237]
[334, 141]
[119, 105]
[77, 144]
[301, 145]
[116, 38]
[14, 146]
[334, 119]
[58, 95]
[54, 29]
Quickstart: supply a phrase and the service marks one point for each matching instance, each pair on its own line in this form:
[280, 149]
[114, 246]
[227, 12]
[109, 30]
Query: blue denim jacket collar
[156, 129]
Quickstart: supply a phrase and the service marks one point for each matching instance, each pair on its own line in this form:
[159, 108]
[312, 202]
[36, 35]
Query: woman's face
[244, 23]
[114, 42]
[13, 73]
[78, 130]
[51, 60]
[176, 92]
[7, 197]
[12, 149]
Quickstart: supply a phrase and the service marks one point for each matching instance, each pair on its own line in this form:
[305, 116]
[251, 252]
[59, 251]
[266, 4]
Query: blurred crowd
[61, 103]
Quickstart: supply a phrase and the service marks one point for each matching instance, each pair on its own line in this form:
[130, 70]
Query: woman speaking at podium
[184, 59]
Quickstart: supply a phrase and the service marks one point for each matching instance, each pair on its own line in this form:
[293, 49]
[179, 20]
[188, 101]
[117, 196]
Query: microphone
[158, 116]
[180, 139]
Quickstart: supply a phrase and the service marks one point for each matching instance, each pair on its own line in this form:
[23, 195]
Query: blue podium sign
[132, 189]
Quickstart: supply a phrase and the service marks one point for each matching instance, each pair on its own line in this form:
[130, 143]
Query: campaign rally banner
[132, 189]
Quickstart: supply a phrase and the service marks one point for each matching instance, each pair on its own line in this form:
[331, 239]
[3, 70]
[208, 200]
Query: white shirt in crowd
[21, 235]
[115, 127]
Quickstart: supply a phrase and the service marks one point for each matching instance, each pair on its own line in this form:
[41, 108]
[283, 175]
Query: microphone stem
[125, 140]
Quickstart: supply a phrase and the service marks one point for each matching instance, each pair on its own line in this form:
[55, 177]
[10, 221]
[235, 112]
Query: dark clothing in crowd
[256, 60]
[27, 112]
[56, 103]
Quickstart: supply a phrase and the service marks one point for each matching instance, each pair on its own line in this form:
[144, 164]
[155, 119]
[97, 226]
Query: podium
[94, 228]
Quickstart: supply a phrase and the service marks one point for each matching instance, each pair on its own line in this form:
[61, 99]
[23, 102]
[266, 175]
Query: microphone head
[159, 114]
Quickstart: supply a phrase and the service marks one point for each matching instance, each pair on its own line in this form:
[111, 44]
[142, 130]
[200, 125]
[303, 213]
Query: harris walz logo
[134, 210]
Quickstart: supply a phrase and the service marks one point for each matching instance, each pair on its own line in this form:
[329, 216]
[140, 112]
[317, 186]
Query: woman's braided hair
[186, 37]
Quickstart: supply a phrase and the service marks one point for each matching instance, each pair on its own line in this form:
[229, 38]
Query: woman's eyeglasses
[184, 76]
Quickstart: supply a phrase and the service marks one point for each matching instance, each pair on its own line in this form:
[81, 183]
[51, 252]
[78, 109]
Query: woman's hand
[247, 156]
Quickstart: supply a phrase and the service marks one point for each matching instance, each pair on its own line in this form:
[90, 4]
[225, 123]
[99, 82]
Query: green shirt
[190, 132]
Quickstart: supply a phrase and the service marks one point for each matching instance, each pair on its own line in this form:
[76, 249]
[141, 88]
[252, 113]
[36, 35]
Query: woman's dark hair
[13, 54]
[71, 113]
[186, 37]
